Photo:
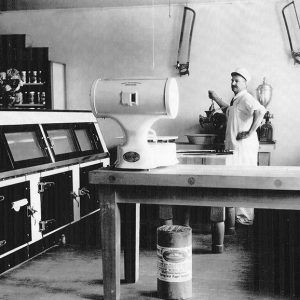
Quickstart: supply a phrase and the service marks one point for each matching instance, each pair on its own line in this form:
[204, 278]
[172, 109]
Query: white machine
[136, 104]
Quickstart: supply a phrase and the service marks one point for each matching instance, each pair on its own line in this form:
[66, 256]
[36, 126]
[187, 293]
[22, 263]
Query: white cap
[242, 72]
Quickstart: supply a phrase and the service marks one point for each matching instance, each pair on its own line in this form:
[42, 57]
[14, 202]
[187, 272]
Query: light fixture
[295, 54]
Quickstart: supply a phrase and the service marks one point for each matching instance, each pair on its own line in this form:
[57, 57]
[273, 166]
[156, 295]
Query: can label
[174, 264]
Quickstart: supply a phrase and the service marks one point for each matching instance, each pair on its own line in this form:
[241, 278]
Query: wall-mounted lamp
[295, 54]
[184, 49]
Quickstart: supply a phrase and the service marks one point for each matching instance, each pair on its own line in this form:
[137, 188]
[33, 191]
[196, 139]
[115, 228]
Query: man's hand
[242, 135]
[212, 95]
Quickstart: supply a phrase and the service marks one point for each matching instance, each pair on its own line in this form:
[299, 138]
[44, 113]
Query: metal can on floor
[174, 262]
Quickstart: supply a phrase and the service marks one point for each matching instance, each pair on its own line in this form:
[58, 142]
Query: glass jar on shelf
[43, 98]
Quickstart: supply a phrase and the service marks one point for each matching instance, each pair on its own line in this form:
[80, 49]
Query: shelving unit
[34, 68]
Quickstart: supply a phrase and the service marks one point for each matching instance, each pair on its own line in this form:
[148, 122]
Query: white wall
[143, 41]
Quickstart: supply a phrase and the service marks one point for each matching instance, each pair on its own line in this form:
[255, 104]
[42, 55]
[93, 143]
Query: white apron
[240, 118]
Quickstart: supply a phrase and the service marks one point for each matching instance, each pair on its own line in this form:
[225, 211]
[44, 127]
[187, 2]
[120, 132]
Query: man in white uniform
[244, 115]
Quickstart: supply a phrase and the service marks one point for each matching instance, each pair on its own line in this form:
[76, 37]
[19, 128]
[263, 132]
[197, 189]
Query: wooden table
[194, 185]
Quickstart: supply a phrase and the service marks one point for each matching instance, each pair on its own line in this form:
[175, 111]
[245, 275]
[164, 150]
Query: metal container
[174, 262]
[201, 139]
[264, 93]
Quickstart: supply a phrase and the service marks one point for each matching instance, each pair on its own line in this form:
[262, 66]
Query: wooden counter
[198, 185]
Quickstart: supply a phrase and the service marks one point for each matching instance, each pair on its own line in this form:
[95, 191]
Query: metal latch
[75, 197]
[44, 185]
[43, 225]
[30, 213]
[2, 243]
[84, 192]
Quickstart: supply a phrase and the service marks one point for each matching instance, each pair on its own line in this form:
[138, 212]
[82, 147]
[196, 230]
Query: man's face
[238, 83]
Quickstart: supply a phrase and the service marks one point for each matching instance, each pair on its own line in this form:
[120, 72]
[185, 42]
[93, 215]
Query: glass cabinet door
[73, 140]
[24, 145]
[62, 140]
[88, 139]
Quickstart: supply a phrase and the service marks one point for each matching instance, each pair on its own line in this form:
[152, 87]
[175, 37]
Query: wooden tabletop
[208, 176]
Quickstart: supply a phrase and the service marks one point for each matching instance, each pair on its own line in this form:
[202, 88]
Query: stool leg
[230, 221]
[217, 217]
[165, 214]
[186, 212]
[166, 222]
[217, 233]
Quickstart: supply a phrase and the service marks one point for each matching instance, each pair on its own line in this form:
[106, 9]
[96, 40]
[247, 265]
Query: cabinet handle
[16, 205]
[84, 192]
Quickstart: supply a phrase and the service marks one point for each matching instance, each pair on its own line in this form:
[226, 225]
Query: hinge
[44, 185]
[44, 224]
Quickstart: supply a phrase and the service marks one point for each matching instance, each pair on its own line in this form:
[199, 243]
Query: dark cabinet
[15, 222]
[88, 195]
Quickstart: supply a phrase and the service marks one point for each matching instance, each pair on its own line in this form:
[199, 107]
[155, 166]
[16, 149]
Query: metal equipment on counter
[215, 121]
[264, 96]
[136, 104]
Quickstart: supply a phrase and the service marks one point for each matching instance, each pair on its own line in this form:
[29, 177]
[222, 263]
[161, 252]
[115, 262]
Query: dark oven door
[56, 201]
[15, 221]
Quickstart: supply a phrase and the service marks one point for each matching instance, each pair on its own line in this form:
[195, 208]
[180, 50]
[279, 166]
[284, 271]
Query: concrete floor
[71, 273]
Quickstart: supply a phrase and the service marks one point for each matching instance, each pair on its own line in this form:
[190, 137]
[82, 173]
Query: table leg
[131, 245]
[110, 240]
[217, 217]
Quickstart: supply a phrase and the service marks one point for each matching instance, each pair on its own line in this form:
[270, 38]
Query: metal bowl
[201, 138]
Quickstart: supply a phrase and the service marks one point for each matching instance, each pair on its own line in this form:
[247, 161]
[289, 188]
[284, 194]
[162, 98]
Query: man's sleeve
[252, 104]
